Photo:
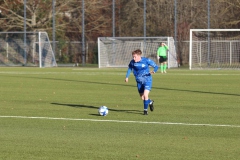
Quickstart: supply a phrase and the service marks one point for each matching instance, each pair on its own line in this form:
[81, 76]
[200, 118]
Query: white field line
[112, 73]
[62, 73]
[121, 121]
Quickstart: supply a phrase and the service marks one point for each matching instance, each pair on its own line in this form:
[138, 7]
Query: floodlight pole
[25, 37]
[113, 18]
[209, 50]
[83, 34]
[53, 27]
[144, 27]
[113, 28]
[175, 25]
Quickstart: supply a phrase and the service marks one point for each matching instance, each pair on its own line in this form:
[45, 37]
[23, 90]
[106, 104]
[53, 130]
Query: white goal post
[117, 51]
[214, 49]
[33, 50]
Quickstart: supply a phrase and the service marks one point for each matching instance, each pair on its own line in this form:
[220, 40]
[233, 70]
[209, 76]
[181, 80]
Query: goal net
[117, 51]
[214, 49]
[33, 50]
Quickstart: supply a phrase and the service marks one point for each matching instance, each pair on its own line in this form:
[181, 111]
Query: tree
[228, 15]
[129, 18]
[39, 14]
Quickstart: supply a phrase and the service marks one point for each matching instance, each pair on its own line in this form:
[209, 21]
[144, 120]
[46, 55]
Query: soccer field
[52, 114]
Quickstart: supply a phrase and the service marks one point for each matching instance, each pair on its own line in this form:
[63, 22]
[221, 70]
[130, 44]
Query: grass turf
[196, 115]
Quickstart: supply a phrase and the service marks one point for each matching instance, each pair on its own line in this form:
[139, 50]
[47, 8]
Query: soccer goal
[33, 50]
[117, 51]
[214, 49]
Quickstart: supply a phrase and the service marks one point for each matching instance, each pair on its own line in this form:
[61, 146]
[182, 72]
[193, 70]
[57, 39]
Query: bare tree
[228, 15]
[98, 18]
[129, 18]
[39, 14]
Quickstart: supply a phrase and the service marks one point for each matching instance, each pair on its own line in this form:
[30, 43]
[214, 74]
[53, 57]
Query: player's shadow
[128, 85]
[95, 108]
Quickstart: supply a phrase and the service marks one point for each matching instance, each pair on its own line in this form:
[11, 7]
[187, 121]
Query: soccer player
[162, 56]
[143, 76]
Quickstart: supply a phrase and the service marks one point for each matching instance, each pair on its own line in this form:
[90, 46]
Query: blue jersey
[141, 69]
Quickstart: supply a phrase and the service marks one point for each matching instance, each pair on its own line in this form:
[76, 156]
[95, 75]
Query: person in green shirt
[162, 57]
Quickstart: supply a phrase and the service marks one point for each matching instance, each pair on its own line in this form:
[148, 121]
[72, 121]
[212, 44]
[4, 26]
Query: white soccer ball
[103, 111]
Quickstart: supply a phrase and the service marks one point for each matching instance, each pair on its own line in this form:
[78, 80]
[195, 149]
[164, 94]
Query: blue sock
[145, 103]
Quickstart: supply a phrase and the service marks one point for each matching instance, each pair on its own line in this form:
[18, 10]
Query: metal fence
[70, 53]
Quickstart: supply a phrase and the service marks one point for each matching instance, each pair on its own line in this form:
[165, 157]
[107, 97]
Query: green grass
[51, 113]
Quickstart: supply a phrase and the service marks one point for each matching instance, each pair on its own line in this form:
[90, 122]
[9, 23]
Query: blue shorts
[144, 86]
